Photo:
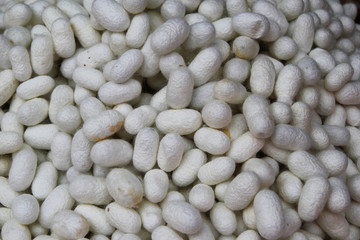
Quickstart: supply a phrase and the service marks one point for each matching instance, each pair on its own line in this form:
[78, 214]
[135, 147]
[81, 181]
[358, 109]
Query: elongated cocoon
[250, 24]
[258, 116]
[181, 121]
[180, 88]
[313, 198]
[187, 220]
[270, 221]
[110, 15]
[170, 35]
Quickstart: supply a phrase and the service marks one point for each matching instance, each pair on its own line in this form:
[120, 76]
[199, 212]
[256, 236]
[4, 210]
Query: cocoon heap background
[179, 119]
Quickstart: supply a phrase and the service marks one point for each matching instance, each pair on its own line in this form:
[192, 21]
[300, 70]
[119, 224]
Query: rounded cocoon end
[182, 216]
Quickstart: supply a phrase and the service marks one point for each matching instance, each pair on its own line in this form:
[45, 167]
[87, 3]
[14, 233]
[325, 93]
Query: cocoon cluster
[179, 119]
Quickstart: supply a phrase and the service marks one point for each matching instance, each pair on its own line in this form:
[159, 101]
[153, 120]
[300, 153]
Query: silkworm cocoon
[25, 209]
[179, 89]
[337, 117]
[220, 190]
[181, 121]
[264, 171]
[41, 52]
[17, 15]
[138, 30]
[245, 47]
[84, 31]
[289, 187]
[242, 190]
[216, 114]
[288, 83]
[23, 168]
[20, 63]
[128, 63]
[310, 70]
[5, 215]
[206, 63]
[139, 118]
[339, 198]
[170, 152]
[304, 31]
[351, 148]
[212, 9]
[262, 78]
[170, 35]
[145, 149]
[281, 112]
[89, 78]
[171, 62]
[35, 87]
[291, 9]
[202, 197]
[334, 161]
[14, 230]
[111, 153]
[156, 183]
[324, 60]
[112, 93]
[258, 117]
[355, 62]
[270, 221]
[151, 216]
[354, 190]
[237, 69]
[352, 213]
[284, 48]
[304, 165]
[45, 180]
[70, 225]
[202, 95]
[223, 219]
[324, 38]
[293, 221]
[40, 136]
[99, 127]
[244, 147]
[188, 169]
[201, 35]
[124, 187]
[353, 116]
[248, 234]
[63, 38]
[150, 65]
[8, 86]
[80, 151]
[90, 190]
[96, 218]
[9, 123]
[313, 198]
[334, 224]
[338, 77]
[33, 112]
[216, 171]
[71, 8]
[289, 137]
[10, 142]
[224, 29]
[18, 36]
[310, 96]
[61, 96]
[95, 57]
[212, 141]
[164, 232]
[124, 219]
[58, 199]
[68, 119]
[111, 15]
[117, 43]
[188, 219]
[347, 94]
[301, 116]
[339, 136]
[172, 9]
[250, 24]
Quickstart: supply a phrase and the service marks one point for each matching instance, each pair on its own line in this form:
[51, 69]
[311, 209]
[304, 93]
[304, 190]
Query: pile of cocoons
[179, 119]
